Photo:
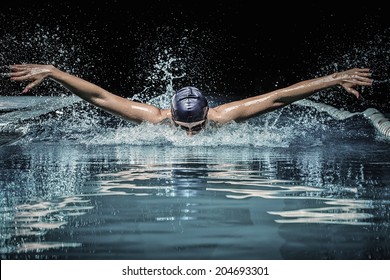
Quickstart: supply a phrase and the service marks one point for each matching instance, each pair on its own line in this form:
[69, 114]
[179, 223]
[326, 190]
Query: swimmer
[189, 110]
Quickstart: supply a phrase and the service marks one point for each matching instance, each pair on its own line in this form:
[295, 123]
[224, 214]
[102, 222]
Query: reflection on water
[25, 225]
[165, 181]
[339, 211]
[136, 202]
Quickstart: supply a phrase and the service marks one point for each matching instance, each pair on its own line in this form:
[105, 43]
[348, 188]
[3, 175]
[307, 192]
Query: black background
[232, 48]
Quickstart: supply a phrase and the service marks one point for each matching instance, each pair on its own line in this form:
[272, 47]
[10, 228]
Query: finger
[362, 70]
[17, 67]
[358, 80]
[359, 75]
[364, 74]
[352, 91]
[19, 74]
[364, 78]
[31, 85]
[362, 81]
[24, 65]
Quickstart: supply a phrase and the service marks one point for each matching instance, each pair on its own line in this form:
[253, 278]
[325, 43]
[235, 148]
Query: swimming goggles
[192, 126]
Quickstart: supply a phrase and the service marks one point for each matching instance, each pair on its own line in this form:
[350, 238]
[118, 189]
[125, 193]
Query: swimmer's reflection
[183, 180]
[189, 179]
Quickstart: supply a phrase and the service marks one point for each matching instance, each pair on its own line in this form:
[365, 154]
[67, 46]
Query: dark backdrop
[227, 48]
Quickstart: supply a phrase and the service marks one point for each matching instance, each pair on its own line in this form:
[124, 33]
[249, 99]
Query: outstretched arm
[114, 104]
[254, 106]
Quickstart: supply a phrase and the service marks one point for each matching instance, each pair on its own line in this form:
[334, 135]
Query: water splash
[44, 45]
[372, 52]
[163, 71]
[84, 124]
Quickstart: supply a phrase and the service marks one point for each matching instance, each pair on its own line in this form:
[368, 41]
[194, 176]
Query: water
[298, 183]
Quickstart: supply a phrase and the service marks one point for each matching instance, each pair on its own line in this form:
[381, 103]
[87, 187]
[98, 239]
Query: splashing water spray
[163, 70]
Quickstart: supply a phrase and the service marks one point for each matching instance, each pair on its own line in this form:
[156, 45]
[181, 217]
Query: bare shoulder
[214, 115]
[165, 115]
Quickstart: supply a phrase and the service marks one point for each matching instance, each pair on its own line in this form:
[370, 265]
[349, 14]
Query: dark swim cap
[189, 105]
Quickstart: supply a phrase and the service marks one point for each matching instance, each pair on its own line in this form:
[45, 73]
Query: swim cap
[189, 105]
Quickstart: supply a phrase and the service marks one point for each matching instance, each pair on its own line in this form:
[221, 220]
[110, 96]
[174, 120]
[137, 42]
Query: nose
[192, 132]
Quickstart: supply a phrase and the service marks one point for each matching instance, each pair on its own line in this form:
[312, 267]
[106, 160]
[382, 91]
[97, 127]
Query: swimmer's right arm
[114, 104]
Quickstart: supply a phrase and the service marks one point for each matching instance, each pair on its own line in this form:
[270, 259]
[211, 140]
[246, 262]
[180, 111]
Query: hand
[354, 77]
[30, 72]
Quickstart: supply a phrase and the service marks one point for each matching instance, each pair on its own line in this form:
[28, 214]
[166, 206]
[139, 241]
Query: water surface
[85, 191]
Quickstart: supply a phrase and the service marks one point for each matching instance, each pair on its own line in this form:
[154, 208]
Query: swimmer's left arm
[254, 106]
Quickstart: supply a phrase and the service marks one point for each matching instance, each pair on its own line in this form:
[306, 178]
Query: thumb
[352, 90]
[31, 85]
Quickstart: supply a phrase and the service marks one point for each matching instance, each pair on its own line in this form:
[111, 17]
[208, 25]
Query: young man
[189, 110]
